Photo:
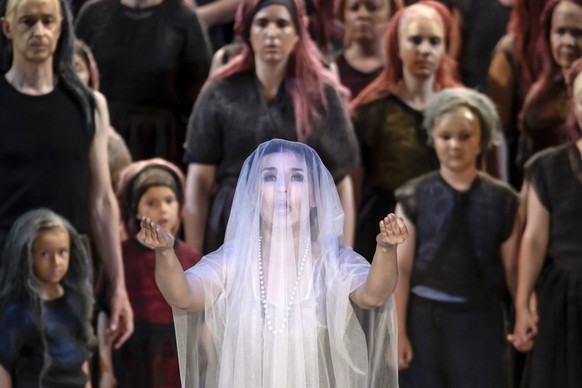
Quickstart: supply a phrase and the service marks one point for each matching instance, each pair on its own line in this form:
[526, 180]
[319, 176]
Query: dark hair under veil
[19, 283]
[277, 293]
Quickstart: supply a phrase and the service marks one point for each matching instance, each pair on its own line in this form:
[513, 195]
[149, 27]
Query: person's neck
[365, 55]
[51, 292]
[459, 180]
[416, 92]
[270, 77]
[139, 4]
[32, 78]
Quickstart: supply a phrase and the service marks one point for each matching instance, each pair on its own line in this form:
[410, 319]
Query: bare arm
[346, 194]
[170, 277]
[85, 368]
[104, 215]
[5, 379]
[106, 376]
[383, 272]
[509, 252]
[501, 88]
[532, 255]
[218, 11]
[199, 189]
[402, 291]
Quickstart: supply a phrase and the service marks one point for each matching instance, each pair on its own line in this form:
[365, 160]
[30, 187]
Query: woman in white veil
[281, 303]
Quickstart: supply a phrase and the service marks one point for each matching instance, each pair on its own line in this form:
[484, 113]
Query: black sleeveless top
[459, 234]
[44, 156]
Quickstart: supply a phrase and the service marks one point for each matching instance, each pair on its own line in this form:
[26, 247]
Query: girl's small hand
[524, 331]
[405, 353]
[393, 231]
[154, 236]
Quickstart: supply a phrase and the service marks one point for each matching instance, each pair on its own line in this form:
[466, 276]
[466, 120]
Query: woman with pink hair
[388, 113]
[547, 104]
[276, 87]
[514, 68]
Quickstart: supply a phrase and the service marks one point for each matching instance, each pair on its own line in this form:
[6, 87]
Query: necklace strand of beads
[268, 318]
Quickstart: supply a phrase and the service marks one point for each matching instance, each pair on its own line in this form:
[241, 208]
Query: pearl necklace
[268, 318]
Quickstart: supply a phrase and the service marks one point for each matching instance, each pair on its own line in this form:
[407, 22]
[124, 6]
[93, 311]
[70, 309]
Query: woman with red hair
[547, 105]
[276, 87]
[388, 113]
[514, 68]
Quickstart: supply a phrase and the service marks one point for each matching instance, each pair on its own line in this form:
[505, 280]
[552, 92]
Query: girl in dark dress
[150, 188]
[550, 262]
[46, 304]
[460, 260]
[276, 87]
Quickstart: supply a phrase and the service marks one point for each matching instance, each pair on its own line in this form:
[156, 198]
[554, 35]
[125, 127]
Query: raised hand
[154, 236]
[393, 231]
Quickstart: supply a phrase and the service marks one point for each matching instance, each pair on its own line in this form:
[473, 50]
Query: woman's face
[366, 19]
[50, 257]
[82, 70]
[273, 35]
[456, 137]
[283, 185]
[566, 34]
[421, 42]
[577, 99]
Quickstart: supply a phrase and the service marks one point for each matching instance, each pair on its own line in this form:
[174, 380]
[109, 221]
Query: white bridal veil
[277, 308]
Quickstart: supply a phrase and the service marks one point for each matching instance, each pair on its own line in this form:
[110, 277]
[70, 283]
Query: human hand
[107, 380]
[154, 236]
[524, 330]
[405, 353]
[393, 231]
[120, 326]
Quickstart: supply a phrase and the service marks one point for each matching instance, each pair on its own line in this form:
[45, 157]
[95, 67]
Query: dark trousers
[456, 345]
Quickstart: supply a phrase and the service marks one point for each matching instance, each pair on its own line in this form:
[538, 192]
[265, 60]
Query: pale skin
[456, 137]
[182, 294]
[32, 73]
[273, 38]
[532, 254]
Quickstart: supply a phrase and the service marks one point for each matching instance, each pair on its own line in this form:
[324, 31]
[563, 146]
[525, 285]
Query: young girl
[460, 259]
[46, 303]
[154, 189]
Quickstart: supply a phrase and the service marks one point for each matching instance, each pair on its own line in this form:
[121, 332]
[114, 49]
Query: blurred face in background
[566, 34]
[577, 99]
[160, 204]
[82, 69]
[421, 41]
[366, 19]
[456, 137]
